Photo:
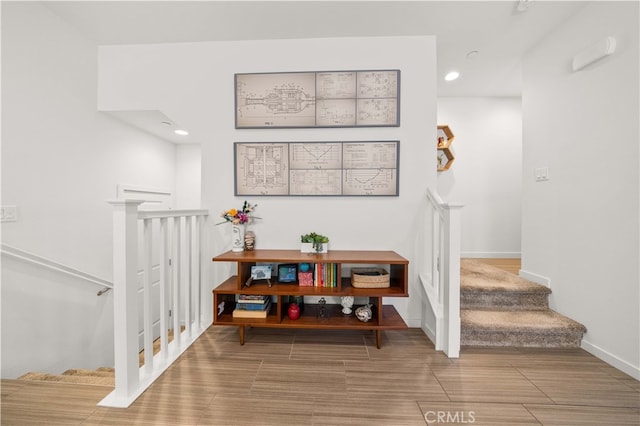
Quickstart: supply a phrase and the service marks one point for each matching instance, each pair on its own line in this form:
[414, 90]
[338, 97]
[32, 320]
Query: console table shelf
[385, 317]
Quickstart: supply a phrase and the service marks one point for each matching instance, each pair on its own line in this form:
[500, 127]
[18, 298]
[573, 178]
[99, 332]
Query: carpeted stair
[498, 308]
[103, 376]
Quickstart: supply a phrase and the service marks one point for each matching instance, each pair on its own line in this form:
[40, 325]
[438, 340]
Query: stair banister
[440, 274]
[179, 250]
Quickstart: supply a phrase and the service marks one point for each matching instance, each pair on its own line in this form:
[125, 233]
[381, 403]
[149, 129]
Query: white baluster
[186, 281]
[196, 275]
[165, 278]
[147, 319]
[176, 280]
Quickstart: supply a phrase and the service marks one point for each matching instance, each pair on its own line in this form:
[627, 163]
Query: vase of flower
[238, 219]
[237, 237]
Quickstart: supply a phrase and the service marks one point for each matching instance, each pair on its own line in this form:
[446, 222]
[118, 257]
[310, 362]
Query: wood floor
[506, 264]
[311, 377]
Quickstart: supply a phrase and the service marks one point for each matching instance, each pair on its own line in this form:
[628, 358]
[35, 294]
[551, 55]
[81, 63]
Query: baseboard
[491, 254]
[414, 323]
[538, 279]
[612, 360]
[429, 332]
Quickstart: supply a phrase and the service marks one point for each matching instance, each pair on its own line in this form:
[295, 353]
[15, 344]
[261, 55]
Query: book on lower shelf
[251, 302]
[253, 298]
[252, 307]
[239, 313]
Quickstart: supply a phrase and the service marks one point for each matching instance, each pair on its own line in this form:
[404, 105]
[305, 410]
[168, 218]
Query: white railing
[34, 259]
[439, 274]
[174, 238]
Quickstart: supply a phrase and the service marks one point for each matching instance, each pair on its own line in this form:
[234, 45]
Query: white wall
[188, 176]
[194, 84]
[486, 173]
[580, 228]
[61, 159]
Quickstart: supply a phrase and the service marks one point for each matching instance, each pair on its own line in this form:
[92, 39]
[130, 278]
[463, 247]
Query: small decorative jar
[347, 304]
[293, 312]
[249, 240]
[363, 313]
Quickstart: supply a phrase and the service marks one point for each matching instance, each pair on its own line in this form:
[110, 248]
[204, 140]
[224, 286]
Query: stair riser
[524, 340]
[503, 301]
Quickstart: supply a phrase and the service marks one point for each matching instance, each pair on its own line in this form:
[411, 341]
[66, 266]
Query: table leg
[379, 338]
[241, 333]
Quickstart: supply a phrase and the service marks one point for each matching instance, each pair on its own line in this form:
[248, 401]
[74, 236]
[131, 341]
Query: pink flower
[238, 217]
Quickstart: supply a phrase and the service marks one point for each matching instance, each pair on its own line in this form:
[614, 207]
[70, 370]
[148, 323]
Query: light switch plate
[542, 174]
[8, 214]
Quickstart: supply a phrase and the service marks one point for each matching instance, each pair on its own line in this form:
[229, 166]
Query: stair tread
[523, 321]
[99, 372]
[82, 379]
[476, 276]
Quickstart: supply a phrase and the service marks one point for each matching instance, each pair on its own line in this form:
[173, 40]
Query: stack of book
[252, 306]
[325, 275]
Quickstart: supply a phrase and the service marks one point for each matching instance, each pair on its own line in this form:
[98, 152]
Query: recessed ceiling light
[523, 5]
[452, 75]
[181, 132]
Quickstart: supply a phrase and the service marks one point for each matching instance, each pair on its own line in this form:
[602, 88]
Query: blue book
[253, 306]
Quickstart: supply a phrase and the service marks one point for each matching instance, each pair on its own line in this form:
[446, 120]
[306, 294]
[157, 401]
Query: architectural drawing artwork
[317, 168]
[316, 182]
[262, 169]
[275, 100]
[335, 112]
[317, 99]
[315, 156]
[369, 182]
[370, 168]
[377, 84]
[377, 111]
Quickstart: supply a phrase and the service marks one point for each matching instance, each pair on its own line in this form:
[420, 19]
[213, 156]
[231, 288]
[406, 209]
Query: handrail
[56, 266]
[158, 214]
[435, 200]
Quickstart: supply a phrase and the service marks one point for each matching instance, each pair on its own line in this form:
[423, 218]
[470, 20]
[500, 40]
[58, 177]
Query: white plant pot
[308, 248]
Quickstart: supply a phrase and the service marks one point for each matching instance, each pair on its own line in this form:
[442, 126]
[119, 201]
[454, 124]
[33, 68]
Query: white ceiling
[495, 29]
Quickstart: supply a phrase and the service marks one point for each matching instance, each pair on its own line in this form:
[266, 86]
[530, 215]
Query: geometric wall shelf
[445, 155]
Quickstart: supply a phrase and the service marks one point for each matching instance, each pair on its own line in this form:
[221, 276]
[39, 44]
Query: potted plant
[314, 243]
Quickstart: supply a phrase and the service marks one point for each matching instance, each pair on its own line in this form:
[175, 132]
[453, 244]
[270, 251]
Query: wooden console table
[385, 317]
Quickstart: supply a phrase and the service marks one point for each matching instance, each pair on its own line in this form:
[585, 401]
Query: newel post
[451, 271]
[125, 297]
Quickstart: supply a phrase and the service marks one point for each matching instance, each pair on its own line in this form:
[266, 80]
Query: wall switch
[542, 174]
[8, 214]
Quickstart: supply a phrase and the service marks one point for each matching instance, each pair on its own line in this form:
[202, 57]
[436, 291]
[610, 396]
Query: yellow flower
[232, 212]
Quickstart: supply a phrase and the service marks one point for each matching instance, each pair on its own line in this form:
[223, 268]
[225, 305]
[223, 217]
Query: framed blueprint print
[367, 98]
[361, 168]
